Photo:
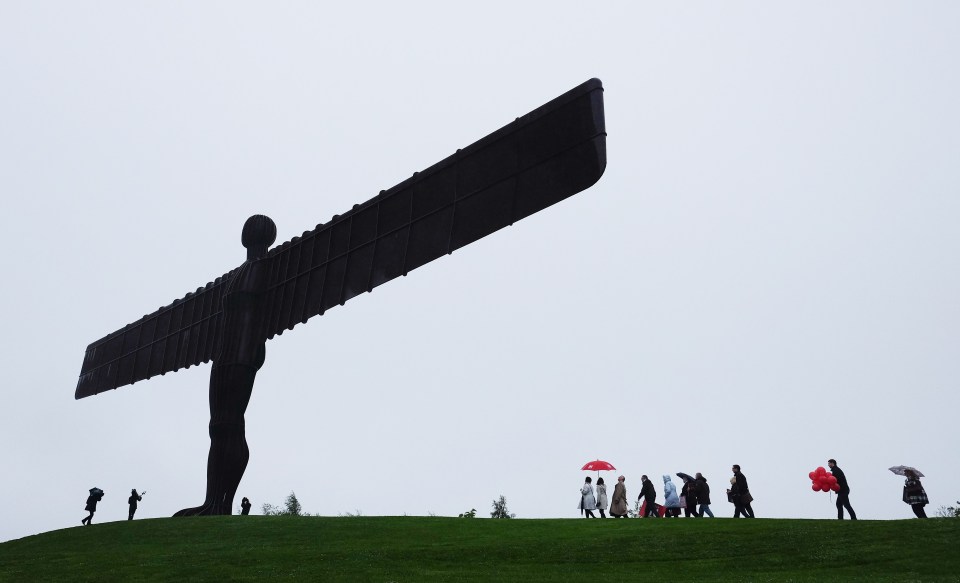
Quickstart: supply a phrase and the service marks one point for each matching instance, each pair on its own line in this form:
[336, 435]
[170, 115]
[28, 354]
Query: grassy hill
[402, 549]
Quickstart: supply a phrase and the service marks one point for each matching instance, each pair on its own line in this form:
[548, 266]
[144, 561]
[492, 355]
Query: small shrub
[470, 514]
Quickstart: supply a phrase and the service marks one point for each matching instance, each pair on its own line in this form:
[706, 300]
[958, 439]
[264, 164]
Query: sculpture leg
[230, 389]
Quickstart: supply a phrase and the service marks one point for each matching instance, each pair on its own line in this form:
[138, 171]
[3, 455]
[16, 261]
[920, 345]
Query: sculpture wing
[541, 158]
[174, 337]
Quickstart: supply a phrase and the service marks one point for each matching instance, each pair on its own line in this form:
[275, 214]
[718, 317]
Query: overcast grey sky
[765, 275]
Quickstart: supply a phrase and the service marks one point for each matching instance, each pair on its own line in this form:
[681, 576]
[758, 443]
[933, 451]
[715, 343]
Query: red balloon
[835, 487]
[821, 471]
[813, 475]
[816, 487]
[832, 478]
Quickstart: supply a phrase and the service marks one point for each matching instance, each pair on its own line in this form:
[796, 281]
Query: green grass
[405, 549]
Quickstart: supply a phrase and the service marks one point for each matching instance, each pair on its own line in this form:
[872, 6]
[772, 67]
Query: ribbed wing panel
[180, 335]
[551, 153]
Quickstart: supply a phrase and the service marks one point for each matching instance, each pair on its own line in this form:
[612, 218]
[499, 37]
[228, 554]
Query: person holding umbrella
[913, 492]
[96, 494]
[688, 495]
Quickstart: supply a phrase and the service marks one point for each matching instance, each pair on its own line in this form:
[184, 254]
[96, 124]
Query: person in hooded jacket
[703, 495]
[670, 498]
[618, 506]
[587, 502]
[649, 496]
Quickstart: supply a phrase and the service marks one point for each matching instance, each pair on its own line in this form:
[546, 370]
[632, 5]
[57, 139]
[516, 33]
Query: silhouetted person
[132, 501]
[740, 494]
[234, 369]
[703, 495]
[843, 494]
[96, 494]
[245, 506]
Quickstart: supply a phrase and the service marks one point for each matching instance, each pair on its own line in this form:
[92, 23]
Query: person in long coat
[703, 495]
[649, 495]
[688, 498]
[914, 494]
[670, 498]
[587, 501]
[740, 494]
[602, 502]
[95, 496]
[618, 505]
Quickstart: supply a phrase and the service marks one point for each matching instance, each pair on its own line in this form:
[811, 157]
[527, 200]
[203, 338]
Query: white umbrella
[902, 471]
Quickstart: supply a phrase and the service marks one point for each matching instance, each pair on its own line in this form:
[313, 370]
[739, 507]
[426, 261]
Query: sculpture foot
[207, 509]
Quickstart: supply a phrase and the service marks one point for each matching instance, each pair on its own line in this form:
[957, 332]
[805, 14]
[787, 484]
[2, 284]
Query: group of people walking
[694, 496]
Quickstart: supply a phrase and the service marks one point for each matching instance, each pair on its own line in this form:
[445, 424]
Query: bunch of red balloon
[822, 481]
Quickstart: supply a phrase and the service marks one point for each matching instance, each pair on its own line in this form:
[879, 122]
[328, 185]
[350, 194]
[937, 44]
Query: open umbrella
[685, 477]
[598, 466]
[902, 471]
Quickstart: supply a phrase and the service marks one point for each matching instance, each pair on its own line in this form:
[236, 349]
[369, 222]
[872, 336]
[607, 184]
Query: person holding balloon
[843, 491]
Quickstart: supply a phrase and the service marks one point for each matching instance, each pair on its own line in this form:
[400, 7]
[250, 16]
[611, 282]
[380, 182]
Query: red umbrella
[598, 466]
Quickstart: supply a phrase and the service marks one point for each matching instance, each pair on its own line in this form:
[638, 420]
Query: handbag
[746, 498]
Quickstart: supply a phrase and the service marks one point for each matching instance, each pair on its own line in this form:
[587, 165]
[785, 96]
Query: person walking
[132, 502]
[602, 502]
[703, 495]
[740, 494]
[96, 494]
[649, 495]
[670, 498]
[245, 506]
[587, 501]
[914, 494]
[618, 505]
[843, 494]
[688, 498]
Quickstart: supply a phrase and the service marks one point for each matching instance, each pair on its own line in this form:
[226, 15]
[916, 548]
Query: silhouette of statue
[550, 154]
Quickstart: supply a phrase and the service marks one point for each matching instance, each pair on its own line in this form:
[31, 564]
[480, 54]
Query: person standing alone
[132, 501]
[843, 494]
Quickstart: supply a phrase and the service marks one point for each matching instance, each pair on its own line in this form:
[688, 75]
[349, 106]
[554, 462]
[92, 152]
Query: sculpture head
[259, 232]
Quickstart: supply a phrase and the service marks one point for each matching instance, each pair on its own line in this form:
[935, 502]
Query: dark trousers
[133, 510]
[745, 509]
[843, 501]
[602, 515]
[88, 520]
[918, 510]
[652, 510]
[589, 513]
